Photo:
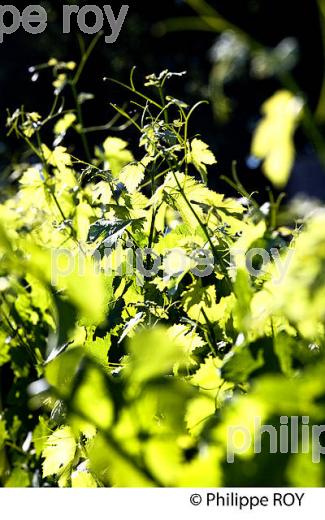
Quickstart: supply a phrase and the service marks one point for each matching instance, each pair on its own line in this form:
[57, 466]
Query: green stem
[211, 336]
[81, 122]
[85, 57]
[206, 232]
[51, 191]
[15, 330]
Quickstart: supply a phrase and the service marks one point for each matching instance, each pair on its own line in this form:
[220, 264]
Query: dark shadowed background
[144, 42]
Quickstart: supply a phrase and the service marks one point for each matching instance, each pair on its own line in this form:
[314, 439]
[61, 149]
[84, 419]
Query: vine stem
[85, 55]
[81, 122]
[205, 231]
[212, 339]
[15, 330]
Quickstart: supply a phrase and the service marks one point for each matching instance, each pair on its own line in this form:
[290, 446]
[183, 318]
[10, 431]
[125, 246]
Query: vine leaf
[59, 451]
[132, 175]
[200, 156]
[108, 231]
[273, 140]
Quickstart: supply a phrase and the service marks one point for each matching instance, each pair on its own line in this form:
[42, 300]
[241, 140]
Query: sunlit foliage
[109, 378]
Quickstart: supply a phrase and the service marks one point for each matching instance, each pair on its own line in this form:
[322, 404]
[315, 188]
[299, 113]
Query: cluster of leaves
[111, 378]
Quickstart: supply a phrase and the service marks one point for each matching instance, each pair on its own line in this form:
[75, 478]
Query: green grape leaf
[242, 361]
[131, 176]
[59, 451]
[3, 433]
[200, 156]
[18, 478]
[63, 124]
[93, 399]
[108, 232]
[59, 158]
[118, 468]
[40, 436]
[82, 479]
[274, 137]
[115, 155]
[98, 350]
[152, 355]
